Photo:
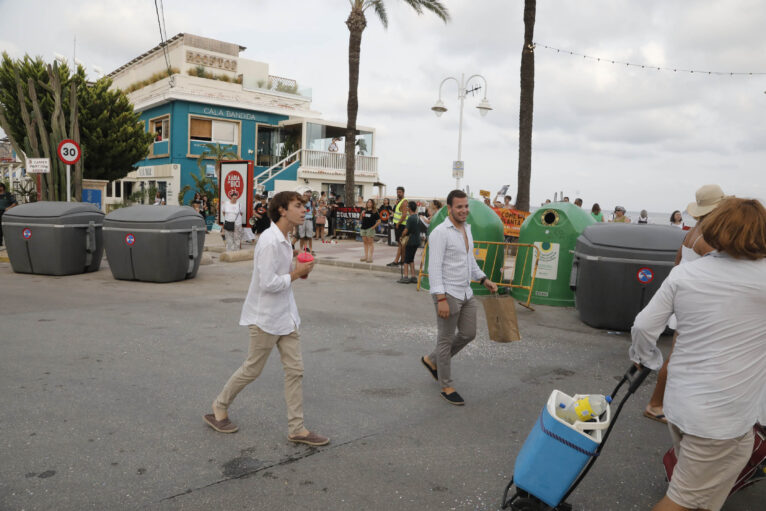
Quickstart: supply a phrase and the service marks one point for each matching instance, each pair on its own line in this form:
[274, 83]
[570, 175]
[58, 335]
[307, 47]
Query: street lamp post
[439, 109]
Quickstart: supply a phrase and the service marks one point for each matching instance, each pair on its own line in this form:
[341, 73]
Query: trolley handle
[634, 376]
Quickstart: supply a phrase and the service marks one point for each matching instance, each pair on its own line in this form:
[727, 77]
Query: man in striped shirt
[451, 268]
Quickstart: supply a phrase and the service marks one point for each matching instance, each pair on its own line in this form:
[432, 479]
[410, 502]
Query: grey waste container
[154, 243]
[617, 268]
[54, 238]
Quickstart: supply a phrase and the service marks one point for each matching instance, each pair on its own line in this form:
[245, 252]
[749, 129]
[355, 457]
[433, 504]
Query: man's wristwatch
[481, 281]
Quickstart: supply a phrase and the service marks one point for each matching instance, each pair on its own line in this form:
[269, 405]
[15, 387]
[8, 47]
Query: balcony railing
[326, 160]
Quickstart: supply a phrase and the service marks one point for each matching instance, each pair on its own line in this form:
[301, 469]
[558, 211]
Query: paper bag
[502, 323]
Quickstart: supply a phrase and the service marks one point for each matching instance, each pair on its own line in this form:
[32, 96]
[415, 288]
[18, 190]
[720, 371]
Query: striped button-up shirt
[450, 266]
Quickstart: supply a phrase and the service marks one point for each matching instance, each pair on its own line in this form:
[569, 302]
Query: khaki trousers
[462, 317]
[261, 345]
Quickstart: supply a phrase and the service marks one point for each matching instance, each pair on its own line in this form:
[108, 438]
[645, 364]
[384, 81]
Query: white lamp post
[439, 109]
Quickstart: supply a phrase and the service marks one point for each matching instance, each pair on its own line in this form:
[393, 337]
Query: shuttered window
[225, 132]
[201, 129]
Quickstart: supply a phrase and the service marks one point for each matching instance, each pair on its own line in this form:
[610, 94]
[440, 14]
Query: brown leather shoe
[311, 439]
[222, 426]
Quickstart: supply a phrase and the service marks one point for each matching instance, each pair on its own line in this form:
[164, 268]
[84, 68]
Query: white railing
[277, 168]
[321, 161]
[326, 160]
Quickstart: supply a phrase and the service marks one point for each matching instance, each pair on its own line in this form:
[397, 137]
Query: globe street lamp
[439, 109]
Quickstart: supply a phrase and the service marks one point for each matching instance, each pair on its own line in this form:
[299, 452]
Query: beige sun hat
[708, 198]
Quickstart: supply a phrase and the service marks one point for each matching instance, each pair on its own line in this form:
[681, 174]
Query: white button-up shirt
[717, 374]
[450, 266]
[270, 304]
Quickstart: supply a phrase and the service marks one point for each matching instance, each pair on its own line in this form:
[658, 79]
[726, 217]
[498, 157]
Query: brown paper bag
[502, 323]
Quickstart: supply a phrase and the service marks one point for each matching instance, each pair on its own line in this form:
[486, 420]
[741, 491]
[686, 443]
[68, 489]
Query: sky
[608, 133]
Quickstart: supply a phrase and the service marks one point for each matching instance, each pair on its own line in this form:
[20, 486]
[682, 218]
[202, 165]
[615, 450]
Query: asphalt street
[104, 384]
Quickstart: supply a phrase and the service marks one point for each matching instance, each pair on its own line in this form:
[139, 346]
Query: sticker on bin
[27, 233]
[645, 275]
[130, 240]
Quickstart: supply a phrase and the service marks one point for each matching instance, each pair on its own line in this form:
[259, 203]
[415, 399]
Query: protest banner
[512, 220]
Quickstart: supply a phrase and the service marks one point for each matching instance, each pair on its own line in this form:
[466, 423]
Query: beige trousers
[261, 345]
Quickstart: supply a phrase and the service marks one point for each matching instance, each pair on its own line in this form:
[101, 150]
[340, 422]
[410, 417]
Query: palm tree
[526, 105]
[356, 24]
[217, 153]
[202, 185]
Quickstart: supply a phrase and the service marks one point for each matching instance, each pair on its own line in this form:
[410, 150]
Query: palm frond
[435, 6]
[380, 9]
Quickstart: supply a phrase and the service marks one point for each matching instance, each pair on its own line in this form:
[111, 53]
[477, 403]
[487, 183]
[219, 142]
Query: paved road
[104, 384]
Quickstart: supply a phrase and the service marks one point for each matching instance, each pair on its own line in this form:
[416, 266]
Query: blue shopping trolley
[556, 455]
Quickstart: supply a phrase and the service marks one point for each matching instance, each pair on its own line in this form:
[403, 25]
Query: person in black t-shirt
[412, 233]
[370, 221]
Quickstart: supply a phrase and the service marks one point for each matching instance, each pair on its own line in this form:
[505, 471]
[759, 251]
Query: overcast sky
[605, 132]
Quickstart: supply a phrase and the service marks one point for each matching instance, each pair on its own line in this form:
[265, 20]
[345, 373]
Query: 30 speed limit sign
[69, 152]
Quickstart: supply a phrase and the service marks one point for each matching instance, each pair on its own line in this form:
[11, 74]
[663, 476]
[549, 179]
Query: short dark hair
[399, 188]
[412, 205]
[737, 227]
[455, 194]
[282, 200]
[2, 185]
[508, 197]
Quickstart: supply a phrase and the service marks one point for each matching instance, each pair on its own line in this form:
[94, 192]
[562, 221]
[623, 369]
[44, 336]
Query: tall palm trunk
[526, 106]
[356, 24]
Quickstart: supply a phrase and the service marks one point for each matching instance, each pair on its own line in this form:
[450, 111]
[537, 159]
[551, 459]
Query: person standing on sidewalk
[272, 317]
[451, 268]
[306, 229]
[412, 236]
[400, 215]
[232, 222]
[370, 222]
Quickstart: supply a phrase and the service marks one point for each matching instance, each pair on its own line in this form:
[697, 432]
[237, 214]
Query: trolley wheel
[521, 501]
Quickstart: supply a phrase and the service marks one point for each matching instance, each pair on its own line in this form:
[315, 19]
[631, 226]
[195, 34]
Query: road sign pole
[68, 184]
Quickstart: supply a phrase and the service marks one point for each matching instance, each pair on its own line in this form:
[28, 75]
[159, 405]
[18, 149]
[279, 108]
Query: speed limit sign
[69, 151]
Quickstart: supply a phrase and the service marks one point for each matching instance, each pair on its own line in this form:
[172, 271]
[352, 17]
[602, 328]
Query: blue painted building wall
[179, 147]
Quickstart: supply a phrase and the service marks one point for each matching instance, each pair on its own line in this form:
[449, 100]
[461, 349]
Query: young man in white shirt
[716, 387]
[451, 268]
[272, 316]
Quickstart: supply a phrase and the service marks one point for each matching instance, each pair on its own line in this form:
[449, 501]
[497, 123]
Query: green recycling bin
[485, 226]
[554, 230]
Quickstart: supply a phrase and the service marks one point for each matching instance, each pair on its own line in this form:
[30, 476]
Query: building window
[160, 128]
[208, 130]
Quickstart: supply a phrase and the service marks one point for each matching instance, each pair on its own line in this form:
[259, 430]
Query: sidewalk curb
[358, 266]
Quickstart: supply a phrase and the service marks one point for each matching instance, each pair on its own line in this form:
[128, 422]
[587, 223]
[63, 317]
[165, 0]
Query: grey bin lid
[49, 209]
[151, 214]
[643, 237]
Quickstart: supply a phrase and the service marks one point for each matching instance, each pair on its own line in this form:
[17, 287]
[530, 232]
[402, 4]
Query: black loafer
[453, 399]
[433, 372]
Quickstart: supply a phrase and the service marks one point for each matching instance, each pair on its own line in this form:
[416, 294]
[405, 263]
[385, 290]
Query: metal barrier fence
[484, 248]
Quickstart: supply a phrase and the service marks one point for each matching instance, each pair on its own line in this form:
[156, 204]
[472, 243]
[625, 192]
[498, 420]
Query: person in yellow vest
[400, 217]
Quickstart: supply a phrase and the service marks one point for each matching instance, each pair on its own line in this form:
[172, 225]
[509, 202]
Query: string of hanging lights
[646, 66]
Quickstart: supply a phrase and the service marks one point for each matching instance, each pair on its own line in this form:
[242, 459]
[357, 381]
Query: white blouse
[717, 373]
